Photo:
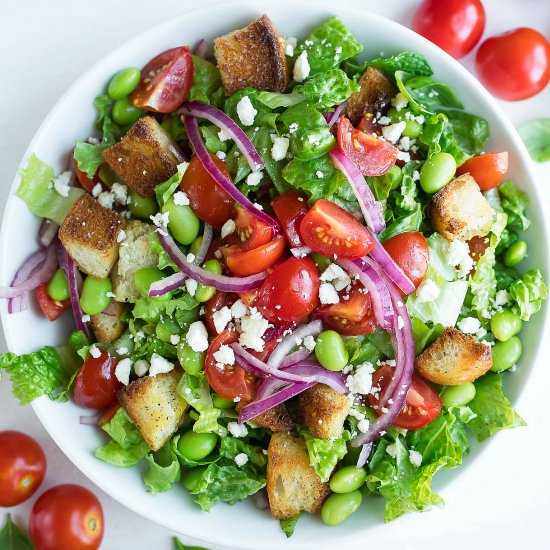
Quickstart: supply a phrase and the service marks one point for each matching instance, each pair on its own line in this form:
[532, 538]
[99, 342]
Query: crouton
[154, 406]
[292, 484]
[89, 234]
[107, 328]
[253, 56]
[324, 411]
[454, 358]
[373, 97]
[276, 419]
[460, 211]
[135, 253]
[144, 157]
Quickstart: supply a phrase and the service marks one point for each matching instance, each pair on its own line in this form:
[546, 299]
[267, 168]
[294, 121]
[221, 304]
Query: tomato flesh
[488, 170]
[250, 232]
[86, 183]
[50, 308]
[217, 302]
[290, 209]
[409, 250]
[253, 261]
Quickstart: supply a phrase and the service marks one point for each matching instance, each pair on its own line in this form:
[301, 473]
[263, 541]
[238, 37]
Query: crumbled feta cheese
[121, 236]
[469, 325]
[123, 370]
[363, 425]
[328, 294]
[197, 336]
[279, 148]
[419, 119]
[402, 155]
[191, 286]
[405, 143]
[361, 381]
[225, 355]
[254, 178]
[159, 365]
[221, 318]
[190, 257]
[141, 367]
[237, 430]
[86, 318]
[238, 309]
[384, 121]
[253, 327]
[227, 228]
[301, 68]
[392, 450]
[95, 352]
[120, 191]
[160, 220]
[293, 127]
[309, 343]
[122, 350]
[221, 155]
[175, 339]
[415, 458]
[106, 199]
[241, 459]
[416, 175]
[181, 199]
[502, 298]
[458, 255]
[61, 183]
[246, 111]
[337, 276]
[290, 44]
[393, 131]
[399, 102]
[258, 206]
[428, 291]
[96, 191]
[400, 322]
[222, 136]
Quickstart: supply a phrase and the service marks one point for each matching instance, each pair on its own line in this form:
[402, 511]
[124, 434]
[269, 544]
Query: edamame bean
[186, 317]
[191, 361]
[322, 262]
[58, 287]
[348, 479]
[124, 83]
[166, 328]
[506, 354]
[142, 207]
[457, 396]
[93, 298]
[194, 446]
[339, 507]
[515, 254]
[144, 278]
[192, 477]
[107, 175]
[505, 324]
[182, 222]
[331, 351]
[204, 293]
[412, 128]
[437, 172]
[125, 113]
[196, 245]
[221, 403]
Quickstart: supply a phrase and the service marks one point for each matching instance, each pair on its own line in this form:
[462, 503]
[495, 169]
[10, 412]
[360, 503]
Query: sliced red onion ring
[32, 263]
[369, 206]
[311, 370]
[47, 232]
[91, 420]
[205, 244]
[201, 48]
[295, 358]
[289, 342]
[394, 272]
[268, 386]
[110, 310]
[301, 251]
[332, 118]
[364, 455]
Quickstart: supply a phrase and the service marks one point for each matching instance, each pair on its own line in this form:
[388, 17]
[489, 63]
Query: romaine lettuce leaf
[324, 454]
[289, 525]
[163, 470]
[529, 293]
[277, 100]
[207, 82]
[405, 222]
[230, 447]
[514, 202]
[163, 191]
[12, 538]
[150, 310]
[408, 62]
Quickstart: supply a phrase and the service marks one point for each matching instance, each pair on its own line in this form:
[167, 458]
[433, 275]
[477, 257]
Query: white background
[46, 45]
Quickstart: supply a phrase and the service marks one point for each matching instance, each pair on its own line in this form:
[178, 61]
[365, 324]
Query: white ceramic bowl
[240, 526]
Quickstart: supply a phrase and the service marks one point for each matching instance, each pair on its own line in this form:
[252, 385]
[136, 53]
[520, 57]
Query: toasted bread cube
[135, 253]
[460, 211]
[276, 419]
[373, 97]
[89, 234]
[454, 358]
[292, 484]
[107, 328]
[154, 406]
[324, 411]
[253, 56]
[144, 157]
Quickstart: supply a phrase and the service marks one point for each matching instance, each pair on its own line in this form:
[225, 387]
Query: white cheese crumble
[160, 220]
[141, 367]
[61, 183]
[237, 430]
[120, 191]
[191, 286]
[309, 343]
[393, 131]
[123, 370]
[241, 459]
[254, 178]
[85, 318]
[221, 318]
[253, 327]
[175, 339]
[190, 257]
[337, 276]
[121, 236]
[405, 157]
[279, 148]
[415, 458]
[228, 228]
[106, 199]
[222, 136]
[328, 294]
[502, 298]
[246, 111]
[458, 255]
[301, 68]
[469, 325]
[361, 381]
[197, 336]
[225, 355]
[399, 102]
[428, 291]
[238, 309]
[159, 365]
[400, 322]
[95, 352]
[96, 191]
[293, 128]
[181, 199]
[221, 155]
[290, 44]
[392, 450]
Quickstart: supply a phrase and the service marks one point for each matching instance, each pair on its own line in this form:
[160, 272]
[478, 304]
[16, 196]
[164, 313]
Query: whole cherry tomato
[409, 250]
[488, 169]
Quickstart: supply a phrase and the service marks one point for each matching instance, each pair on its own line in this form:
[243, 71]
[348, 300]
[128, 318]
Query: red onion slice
[91, 420]
[312, 371]
[47, 232]
[110, 310]
[301, 251]
[205, 244]
[393, 271]
[334, 117]
[201, 48]
[32, 263]
[295, 358]
[364, 455]
[268, 386]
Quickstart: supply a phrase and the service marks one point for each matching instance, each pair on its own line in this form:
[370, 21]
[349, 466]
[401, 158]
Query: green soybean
[339, 507]
[94, 297]
[505, 324]
[412, 128]
[515, 254]
[191, 361]
[107, 175]
[506, 354]
[166, 328]
[182, 222]
[125, 113]
[124, 83]
[196, 245]
[331, 351]
[58, 287]
[221, 403]
[457, 396]
[192, 477]
[204, 293]
[437, 172]
[194, 446]
[348, 479]
[142, 207]
[322, 262]
[186, 317]
[144, 278]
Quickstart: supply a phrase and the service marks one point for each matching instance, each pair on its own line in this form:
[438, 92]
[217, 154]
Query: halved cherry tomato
[217, 302]
[249, 297]
[372, 155]
[50, 308]
[488, 170]
[409, 250]
[206, 198]
[96, 384]
[368, 124]
[290, 293]
[232, 381]
[165, 81]
[86, 183]
[477, 246]
[250, 231]
[290, 209]
[256, 260]
[331, 231]
[422, 405]
[108, 414]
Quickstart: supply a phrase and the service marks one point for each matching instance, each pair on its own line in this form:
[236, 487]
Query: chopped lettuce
[12, 538]
[163, 470]
[408, 62]
[164, 259]
[150, 309]
[207, 82]
[529, 293]
[276, 100]
[178, 545]
[324, 454]
[514, 202]
[164, 191]
[536, 136]
[425, 94]
[406, 222]
[289, 525]
[424, 335]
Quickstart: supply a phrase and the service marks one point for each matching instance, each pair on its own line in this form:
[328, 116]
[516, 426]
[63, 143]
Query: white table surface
[45, 46]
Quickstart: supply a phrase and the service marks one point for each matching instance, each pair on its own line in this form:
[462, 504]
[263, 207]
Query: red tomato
[514, 65]
[409, 250]
[290, 209]
[330, 230]
[250, 232]
[166, 81]
[488, 170]
[453, 25]
[372, 155]
[22, 467]
[86, 183]
[217, 302]
[478, 246]
[50, 308]
[290, 293]
[256, 260]
[249, 297]
[108, 414]
[67, 517]
[422, 405]
[96, 384]
[207, 199]
[231, 381]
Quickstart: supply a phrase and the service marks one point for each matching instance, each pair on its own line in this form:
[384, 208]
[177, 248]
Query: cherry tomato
[453, 25]
[330, 230]
[96, 384]
[290, 293]
[67, 517]
[477, 246]
[290, 209]
[207, 199]
[256, 260]
[217, 302]
[250, 232]
[22, 467]
[422, 405]
[514, 65]
[86, 183]
[231, 381]
[249, 297]
[166, 81]
[409, 250]
[50, 307]
[488, 170]
[108, 414]
[372, 155]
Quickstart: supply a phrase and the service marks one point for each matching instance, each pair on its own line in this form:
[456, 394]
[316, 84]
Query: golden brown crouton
[324, 411]
[253, 56]
[107, 328]
[292, 484]
[460, 211]
[89, 234]
[276, 419]
[454, 358]
[144, 157]
[154, 406]
[373, 97]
